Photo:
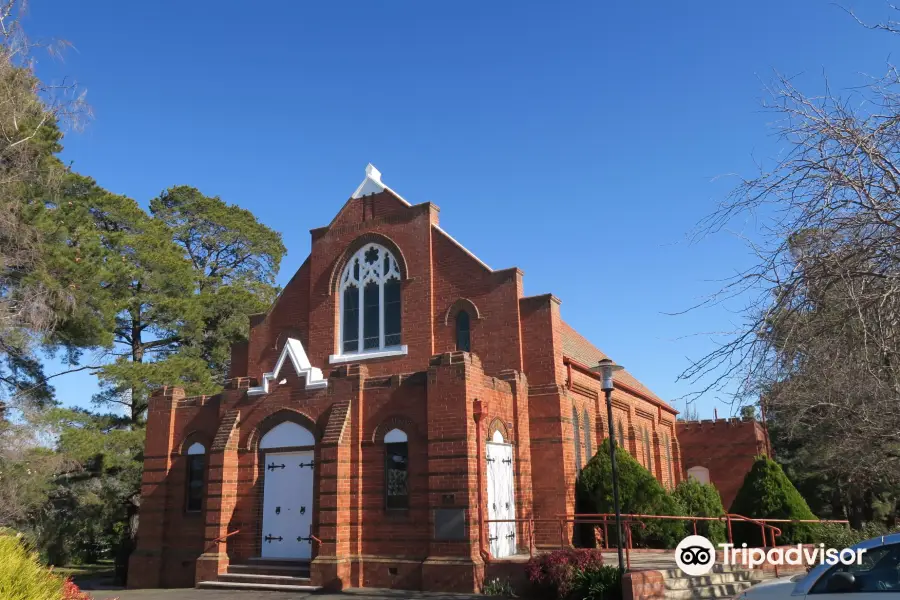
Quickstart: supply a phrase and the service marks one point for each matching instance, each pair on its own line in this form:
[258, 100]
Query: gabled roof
[578, 348]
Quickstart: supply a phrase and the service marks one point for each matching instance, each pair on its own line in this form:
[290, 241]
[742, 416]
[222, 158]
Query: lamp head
[606, 368]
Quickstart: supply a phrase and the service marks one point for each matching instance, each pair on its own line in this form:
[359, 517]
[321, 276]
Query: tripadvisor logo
[696, 555]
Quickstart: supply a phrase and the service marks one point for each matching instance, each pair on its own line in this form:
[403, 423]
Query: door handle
[277, 510]
[302, 510]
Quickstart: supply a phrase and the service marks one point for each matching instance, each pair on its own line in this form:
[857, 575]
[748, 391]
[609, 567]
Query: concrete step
[259, 587]
[264, 579]
[683, 583]
[297, 570]
[709, 592]
[717, 568]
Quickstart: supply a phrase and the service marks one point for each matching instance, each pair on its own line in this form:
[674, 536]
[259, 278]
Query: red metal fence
[768, 531]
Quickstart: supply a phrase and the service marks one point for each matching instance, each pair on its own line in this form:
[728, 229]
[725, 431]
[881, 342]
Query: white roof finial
[373, 173]
[371, 184]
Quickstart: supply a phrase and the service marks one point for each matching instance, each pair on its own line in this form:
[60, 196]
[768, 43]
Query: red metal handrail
[221, 538]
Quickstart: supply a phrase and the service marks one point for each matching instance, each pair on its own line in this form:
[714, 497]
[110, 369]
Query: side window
[647, 451]
[668, 447]
[196, 471]
[878, 571]
[586, 423]
[576, 438]
[621, 435]
[463, 332]
[396, 469]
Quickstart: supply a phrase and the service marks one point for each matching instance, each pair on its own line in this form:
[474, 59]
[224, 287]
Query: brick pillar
[550, 416]
[453, 564]
[145, 563]
[222, 485]
[331, 567]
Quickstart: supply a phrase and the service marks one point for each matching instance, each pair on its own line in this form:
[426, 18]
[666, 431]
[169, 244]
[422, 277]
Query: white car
[878, 577]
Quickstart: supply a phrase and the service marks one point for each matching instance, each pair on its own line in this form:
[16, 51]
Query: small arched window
[576, 438]
[396, 469]
[647, 451]
[196, 470]
[370, 301]
[586, 423]
[463, 332]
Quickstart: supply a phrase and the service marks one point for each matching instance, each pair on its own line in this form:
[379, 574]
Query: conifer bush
[639, 493]
[702, 500]
[767, 493]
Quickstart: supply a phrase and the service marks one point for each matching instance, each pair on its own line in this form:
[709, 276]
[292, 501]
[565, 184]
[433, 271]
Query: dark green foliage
[768, 493]
[835, 535]
[553, 574]
[702, 500]
[639, 493]
[601, 583]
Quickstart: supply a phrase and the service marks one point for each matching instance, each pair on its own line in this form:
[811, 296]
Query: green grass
[80, 573]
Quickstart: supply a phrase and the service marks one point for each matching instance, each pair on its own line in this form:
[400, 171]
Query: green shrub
[553, 574]
[22, 576]
[834, 535]
[639, 493]
[702, 500]
[767, 493]
[498, 587]
[599, 583]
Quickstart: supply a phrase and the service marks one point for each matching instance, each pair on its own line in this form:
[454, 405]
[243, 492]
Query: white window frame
[368, 273]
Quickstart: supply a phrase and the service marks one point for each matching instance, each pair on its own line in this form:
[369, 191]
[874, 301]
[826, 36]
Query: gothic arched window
[463, 335]
[370, 301]
[576, 437]
[647, 452]
[589, 450]
[668, 444]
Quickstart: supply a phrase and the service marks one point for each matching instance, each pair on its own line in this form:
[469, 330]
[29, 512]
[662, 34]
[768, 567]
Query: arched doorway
[287, 452]
[501, 496]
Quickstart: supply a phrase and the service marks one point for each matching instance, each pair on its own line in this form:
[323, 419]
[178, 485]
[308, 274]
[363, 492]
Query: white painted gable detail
[293, 349]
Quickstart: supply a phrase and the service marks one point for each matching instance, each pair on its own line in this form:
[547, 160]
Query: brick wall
[727, 447]
[515, 380]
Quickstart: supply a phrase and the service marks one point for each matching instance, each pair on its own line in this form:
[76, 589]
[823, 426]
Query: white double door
[287, 505]
[501, 499]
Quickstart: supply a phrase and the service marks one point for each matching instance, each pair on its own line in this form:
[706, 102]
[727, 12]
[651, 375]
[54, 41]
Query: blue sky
[580, 143]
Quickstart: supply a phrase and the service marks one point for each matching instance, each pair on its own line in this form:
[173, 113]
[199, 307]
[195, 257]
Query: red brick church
[397, 396]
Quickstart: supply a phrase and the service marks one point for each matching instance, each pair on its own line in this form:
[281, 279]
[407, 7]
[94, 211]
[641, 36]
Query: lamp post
[606, 368]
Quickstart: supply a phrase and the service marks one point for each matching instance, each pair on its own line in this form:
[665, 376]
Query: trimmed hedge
[639, 493]
[702, 500]
[768, 493]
